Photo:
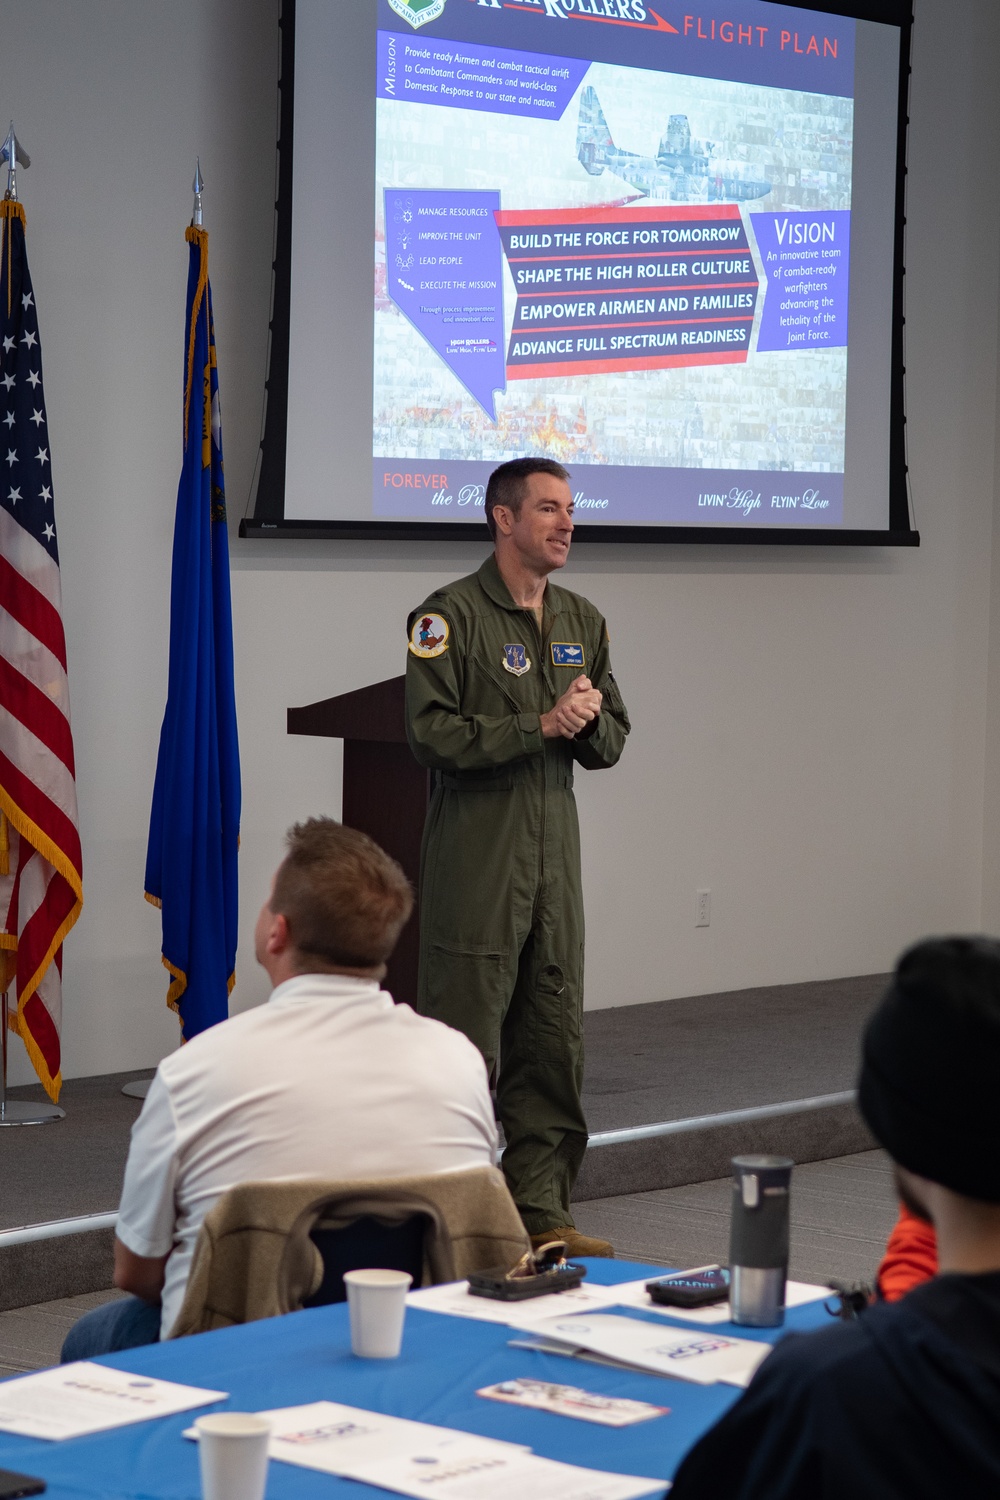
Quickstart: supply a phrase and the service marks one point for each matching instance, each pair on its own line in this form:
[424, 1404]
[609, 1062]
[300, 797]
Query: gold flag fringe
[9, 209]
[199, 237]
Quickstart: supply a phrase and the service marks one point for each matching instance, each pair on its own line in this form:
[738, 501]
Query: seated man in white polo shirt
[328, 1079]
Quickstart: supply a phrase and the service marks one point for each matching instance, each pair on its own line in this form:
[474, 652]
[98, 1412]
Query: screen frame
[268, 520]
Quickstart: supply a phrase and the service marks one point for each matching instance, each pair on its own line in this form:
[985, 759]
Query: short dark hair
[344, 899]
[506, 484]
[930, 1060]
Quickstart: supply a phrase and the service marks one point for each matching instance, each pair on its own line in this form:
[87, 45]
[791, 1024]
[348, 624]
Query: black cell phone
[691, 1288]
[14, 1485]
[497, 1283]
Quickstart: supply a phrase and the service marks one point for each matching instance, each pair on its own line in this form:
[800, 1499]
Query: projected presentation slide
[617, 234]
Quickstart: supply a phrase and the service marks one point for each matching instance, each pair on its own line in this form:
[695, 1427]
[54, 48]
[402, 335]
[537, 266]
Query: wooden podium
[385, 791]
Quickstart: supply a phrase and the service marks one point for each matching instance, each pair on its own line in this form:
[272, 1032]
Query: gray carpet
[31, 1337]
[645, 1063]
[842, 1211]
[73, 1166]
[678, 1058]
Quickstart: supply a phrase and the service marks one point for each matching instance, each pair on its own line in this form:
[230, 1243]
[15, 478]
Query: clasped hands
[579, 704]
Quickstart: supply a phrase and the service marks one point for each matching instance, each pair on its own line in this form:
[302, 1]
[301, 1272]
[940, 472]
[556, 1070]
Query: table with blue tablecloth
[306, 1357]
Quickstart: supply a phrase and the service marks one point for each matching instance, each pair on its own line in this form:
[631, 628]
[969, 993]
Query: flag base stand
[15, 1111]
[137, 1090]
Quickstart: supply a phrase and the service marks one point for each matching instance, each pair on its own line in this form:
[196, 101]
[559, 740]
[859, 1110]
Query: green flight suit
[501, 904]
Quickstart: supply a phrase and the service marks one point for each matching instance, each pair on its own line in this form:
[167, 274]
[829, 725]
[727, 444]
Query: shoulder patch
[429, 636]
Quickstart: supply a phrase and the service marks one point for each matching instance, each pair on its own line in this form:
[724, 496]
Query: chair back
[366, 1243]
[258, 1251]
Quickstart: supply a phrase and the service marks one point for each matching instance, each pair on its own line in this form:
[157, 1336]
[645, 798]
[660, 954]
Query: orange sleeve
[910, 1256]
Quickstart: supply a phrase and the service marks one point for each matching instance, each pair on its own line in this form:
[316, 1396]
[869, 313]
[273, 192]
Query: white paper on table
[455, 1299]
[634, 1294]
[700, 1357]
[73, 1400]
[466, 1468]
[336, 1439]
[545, 1346]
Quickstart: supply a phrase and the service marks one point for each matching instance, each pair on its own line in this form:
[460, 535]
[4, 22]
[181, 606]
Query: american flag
[41, 884]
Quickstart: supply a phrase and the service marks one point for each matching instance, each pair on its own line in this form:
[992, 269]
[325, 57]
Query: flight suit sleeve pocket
[615, 701]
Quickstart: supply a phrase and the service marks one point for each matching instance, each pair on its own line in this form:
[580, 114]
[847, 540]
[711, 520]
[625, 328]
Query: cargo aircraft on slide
[683, 171]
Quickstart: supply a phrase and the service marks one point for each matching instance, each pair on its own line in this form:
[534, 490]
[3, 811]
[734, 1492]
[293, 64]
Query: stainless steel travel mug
[758, 1240]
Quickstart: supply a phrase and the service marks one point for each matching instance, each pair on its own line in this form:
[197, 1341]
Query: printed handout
[74, 1400]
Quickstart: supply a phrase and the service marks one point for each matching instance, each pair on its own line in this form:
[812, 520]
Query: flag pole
[13, 1111]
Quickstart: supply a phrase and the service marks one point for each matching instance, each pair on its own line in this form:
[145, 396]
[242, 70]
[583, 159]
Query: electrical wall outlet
[702, 908]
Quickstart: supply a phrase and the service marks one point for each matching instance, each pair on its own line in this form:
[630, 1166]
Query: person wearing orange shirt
[911, 1256]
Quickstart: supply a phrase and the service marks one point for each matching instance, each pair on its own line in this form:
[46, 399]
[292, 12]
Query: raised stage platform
[674, 1089]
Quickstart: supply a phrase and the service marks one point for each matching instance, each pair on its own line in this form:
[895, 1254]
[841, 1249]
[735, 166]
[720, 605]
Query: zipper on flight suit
[499, 684]
[538, 627]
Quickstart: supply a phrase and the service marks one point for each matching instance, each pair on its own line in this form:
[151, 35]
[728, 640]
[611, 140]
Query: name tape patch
[568, 654]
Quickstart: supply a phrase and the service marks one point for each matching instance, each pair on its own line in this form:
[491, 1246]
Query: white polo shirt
[328, 1079]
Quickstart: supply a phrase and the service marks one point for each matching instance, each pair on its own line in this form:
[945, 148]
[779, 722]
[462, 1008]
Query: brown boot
[577, 1244]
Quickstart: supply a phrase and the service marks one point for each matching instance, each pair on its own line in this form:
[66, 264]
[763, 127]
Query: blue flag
[195, 819]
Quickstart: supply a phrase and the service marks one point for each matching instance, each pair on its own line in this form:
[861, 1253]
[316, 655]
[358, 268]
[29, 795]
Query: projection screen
[659, 243]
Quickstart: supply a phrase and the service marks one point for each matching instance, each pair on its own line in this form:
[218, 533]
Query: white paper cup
[377, 1303]
[232, 1453]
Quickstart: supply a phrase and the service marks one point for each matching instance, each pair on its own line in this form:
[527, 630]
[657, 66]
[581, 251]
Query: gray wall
[817, 735]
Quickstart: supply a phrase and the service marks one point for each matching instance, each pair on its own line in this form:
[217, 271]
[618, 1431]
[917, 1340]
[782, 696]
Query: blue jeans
[125, 1324]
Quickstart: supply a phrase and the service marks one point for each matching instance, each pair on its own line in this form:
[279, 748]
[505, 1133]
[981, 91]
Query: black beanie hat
[930, 1074]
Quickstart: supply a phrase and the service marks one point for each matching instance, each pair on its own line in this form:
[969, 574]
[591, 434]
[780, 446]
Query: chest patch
[429, 636]
[568, 654]
[515, 659]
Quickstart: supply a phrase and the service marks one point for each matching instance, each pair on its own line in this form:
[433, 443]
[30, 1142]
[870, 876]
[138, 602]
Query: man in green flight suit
[508, 684]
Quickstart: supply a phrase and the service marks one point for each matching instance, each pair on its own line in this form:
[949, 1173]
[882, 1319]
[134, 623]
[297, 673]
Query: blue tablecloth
[307, 1357]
